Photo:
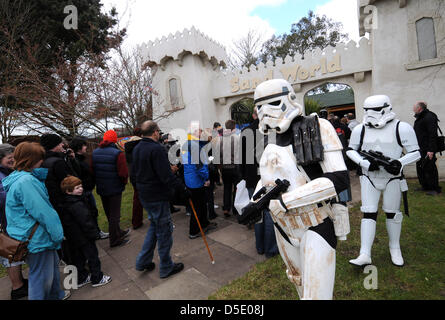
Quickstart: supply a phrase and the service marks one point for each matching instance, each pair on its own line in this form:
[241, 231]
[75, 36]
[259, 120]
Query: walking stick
[202, 232]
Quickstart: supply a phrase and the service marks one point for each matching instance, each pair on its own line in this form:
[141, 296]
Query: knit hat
[49, 141]
[110, 136]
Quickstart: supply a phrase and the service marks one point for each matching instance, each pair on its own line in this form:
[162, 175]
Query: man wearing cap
[111, 175]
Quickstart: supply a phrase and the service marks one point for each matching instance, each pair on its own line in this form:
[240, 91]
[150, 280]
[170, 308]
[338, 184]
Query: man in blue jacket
[196, 176]
[155, 180]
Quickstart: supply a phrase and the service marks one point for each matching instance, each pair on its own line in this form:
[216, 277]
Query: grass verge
[422, 277]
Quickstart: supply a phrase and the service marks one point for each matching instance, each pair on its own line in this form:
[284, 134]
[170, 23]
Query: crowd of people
[47, 188]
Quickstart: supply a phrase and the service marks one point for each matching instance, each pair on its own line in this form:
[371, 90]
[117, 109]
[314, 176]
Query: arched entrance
[241, 111]
[335, 98]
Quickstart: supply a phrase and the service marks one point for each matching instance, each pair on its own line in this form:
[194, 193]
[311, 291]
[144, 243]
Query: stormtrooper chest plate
[383, 140]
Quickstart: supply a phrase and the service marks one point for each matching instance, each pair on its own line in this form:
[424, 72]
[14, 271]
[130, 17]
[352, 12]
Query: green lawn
[422, 277]
[126, 209]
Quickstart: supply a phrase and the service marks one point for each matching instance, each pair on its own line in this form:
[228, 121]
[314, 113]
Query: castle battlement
[347, 51]
[350, 58]
[176, 46]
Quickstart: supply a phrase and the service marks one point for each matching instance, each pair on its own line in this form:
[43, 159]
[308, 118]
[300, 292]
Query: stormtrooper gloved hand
[394, 167]
[369, 165]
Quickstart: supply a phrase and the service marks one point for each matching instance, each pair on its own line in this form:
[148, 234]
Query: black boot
[20, 292]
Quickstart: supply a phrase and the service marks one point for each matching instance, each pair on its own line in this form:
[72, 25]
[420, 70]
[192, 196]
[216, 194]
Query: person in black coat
[79, 147]
[60, 163]
[425, 126]
[137, 216]
[154, 179]
[81, 232]
[265, 241]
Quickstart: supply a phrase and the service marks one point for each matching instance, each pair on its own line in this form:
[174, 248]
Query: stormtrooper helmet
[276, 105]
[378, 111]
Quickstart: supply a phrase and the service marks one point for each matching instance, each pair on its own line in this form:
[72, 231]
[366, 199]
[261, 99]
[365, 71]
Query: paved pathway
[232, 246]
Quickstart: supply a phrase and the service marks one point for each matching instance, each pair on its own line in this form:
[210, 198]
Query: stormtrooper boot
[367, 235]
[394, 227]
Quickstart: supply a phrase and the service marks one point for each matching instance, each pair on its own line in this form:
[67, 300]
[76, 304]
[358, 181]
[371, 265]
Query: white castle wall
[394, 55]
[382, 65]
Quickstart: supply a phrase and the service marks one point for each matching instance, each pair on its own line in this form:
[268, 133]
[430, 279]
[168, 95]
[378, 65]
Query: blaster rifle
[376, 156]
[253, 211]
[391, 166]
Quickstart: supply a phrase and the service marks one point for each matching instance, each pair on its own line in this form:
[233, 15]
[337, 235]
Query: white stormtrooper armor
[306, 222]
[383, 133]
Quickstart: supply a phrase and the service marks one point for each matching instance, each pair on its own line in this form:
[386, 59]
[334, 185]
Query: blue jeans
[265, 240]
[160, 232]
[44, 276]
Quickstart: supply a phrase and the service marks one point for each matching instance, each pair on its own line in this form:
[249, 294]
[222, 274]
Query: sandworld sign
[292, 73]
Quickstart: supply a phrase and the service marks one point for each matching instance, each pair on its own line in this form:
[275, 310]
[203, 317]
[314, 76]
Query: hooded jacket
[27, 202]
[196, 172]
[59, 167]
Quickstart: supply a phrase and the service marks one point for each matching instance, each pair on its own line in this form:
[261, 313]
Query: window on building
[174, 92]
[426, 39]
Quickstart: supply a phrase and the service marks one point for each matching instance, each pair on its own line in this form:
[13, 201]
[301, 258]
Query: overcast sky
[225, 21]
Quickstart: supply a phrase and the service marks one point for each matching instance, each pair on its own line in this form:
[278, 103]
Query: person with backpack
[426, 126]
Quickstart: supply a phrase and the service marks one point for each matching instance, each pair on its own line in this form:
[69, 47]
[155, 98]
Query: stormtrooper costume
[382, 132]
[307, 152]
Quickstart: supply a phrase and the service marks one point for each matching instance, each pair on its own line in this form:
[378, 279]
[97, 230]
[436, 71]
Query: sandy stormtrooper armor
[306, 152]
[382, 133]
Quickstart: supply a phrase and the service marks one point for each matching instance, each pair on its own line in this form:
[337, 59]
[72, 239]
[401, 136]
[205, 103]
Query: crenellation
[288, 59]
[317, 52]
[316, 61]
[190, 40]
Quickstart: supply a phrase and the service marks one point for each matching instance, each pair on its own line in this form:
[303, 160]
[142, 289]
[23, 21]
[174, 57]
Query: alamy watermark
[227, 149]
[72, 20]
[371, 21]
[371, 281]
[71, 280]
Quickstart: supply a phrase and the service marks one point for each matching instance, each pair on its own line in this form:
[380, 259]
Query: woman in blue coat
[27, 203]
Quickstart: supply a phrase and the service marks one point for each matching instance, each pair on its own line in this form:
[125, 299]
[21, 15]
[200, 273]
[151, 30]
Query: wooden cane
[202, 232]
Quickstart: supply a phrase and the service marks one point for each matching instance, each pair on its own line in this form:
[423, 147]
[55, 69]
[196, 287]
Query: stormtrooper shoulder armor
[329, 136]
[408, 137]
